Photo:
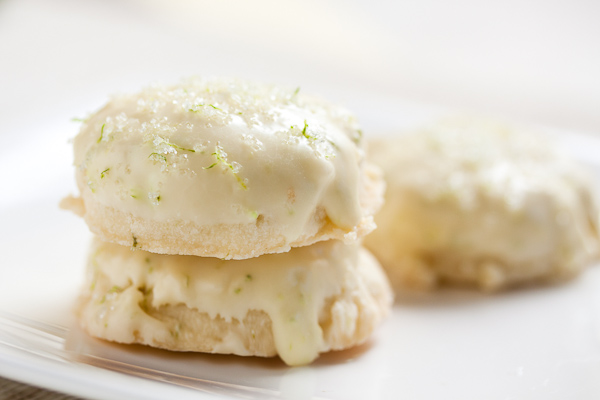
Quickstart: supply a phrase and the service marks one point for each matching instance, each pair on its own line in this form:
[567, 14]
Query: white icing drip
[292, 288]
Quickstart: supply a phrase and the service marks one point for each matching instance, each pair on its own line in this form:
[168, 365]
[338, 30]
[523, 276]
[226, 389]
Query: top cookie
[223, 168]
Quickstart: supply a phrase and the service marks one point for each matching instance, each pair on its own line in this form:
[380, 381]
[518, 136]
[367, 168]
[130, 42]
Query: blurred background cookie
[478, 203]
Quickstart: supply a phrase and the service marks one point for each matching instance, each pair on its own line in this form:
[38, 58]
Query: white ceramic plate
[540, 343]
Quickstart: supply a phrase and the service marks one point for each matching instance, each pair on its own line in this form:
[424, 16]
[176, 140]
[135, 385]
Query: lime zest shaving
[92, 185]
[203, 105]
[159, 140]
[175, 333]
[158, 157]
[358, 137]
[115, 289]
[332, 143]
[306, 135]
[221, 158]
[101, 133]
[104, 173]
[134, 193]
[179, 147]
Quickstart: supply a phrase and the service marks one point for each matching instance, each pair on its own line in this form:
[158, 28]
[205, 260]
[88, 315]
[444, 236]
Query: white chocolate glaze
[223, 152]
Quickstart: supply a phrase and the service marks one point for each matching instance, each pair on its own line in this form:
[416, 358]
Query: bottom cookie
[327, 296]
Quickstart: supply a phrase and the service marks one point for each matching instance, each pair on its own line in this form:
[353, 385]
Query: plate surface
[539, 343]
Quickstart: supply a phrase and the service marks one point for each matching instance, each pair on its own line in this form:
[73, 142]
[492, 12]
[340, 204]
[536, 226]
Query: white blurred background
[534, 60]
[394, 63]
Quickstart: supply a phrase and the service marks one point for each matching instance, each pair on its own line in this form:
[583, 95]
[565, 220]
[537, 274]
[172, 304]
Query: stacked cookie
[228, 216]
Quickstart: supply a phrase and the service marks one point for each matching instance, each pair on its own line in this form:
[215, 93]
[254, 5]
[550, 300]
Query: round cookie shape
[472, 202]
[223, 168]
[313, 299]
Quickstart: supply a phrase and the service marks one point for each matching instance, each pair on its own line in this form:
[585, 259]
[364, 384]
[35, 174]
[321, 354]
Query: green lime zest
[134, 193]
[115, 289]
[101, 133]
[358, 137]
[175, 333]
[203, 105]
[304, 130]
[306, 135]
[92, 185]
[159, 140]
[221, 157]
[104, 173]
[179, 147]
[158, 157]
